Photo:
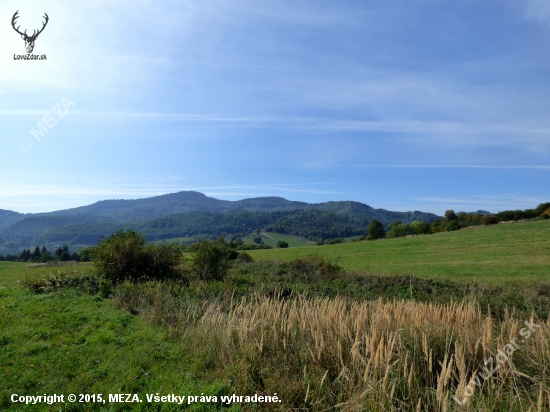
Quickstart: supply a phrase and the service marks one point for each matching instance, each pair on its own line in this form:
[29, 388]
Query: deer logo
[29, 40]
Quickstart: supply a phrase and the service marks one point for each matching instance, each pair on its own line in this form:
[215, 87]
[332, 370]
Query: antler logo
[29, 40]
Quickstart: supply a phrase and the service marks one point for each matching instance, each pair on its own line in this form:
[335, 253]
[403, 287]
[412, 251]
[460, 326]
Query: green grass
[71, 342]
[509, 253]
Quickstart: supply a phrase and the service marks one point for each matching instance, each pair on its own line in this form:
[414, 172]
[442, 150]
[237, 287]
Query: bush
[54, 282]
[244, 257]
[211, 260]
[281, 244]
[310, 266]
[126, 256]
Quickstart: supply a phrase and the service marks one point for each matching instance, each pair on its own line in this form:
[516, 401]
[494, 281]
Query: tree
[36, 254]
[450, 215]
[376, 230]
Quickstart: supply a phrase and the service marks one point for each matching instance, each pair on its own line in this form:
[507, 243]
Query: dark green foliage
[281, 244]
[452, 225]
[84, 255]
[257, 240]
[126, 256]
[490, 220]
[211, 260]
[334, 241]
[376, 230]
[450, 215]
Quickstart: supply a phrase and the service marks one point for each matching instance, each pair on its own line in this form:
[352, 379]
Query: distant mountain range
[193, 214]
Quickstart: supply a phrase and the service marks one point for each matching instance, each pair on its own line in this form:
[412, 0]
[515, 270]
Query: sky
[427, 105]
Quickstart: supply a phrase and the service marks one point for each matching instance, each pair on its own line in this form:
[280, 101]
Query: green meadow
[505, 253]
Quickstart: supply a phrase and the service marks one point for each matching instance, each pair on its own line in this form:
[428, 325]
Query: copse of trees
[43, 255]
[398, 229]
[127, 256]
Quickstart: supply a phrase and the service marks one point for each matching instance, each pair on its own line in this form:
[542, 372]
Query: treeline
[44, 255]
[453, 221]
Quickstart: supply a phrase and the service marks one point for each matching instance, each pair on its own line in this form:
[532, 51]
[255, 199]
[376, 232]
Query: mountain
[7, 218]
[158, 206]
[195, 215]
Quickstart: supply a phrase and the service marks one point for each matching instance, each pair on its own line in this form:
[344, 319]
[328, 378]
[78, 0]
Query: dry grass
[319, 354]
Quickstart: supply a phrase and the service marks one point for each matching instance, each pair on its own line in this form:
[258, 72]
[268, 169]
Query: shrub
[126, 256]
[53, 282]
[310, 266]
[211, 260]
[244, 257]
[281, 244]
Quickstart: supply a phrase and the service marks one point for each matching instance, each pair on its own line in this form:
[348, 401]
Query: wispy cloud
[538, 10]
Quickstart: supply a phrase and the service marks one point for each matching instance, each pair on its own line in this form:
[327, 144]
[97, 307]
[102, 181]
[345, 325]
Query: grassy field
[72, 342]
[319, 346]
[511, 252]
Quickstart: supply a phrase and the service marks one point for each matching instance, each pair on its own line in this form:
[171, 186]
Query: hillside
[315, 225]
[508, 252]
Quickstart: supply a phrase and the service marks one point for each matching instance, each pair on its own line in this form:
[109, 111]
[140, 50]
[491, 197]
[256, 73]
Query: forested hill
[192, 214]
[316, 225]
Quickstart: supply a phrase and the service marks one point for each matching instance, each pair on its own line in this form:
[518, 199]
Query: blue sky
[425, 105]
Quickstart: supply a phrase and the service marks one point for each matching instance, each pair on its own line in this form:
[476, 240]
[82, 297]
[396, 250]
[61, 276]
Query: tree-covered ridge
[316, 225]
